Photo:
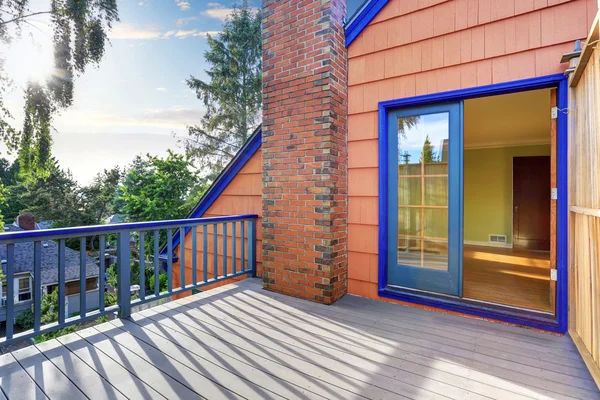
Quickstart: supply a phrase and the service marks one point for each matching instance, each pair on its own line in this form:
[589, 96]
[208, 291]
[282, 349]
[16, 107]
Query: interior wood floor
[512, 277]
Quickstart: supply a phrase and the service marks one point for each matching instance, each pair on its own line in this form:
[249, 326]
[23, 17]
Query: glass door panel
[423, 165]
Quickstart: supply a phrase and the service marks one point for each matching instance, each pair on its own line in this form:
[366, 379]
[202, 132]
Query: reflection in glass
[423, 191]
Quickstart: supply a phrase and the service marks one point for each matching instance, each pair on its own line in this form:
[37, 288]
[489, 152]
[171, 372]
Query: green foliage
[157, 189]
[25, 319]
[99, 197]
[427, 154]
[163, 282]
[135, 278]
[3, 193]
[59, 198]
[113, 278]
[233, 94]
[79, 37]
[49, 314]
[110, 299]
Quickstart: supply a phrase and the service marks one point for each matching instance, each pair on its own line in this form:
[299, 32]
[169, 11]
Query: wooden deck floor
[240, 341]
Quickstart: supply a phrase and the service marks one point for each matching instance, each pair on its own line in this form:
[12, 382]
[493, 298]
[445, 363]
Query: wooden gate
[584, 204]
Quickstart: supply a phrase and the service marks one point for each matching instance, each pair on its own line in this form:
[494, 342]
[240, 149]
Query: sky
[434, 126]
[137, 99]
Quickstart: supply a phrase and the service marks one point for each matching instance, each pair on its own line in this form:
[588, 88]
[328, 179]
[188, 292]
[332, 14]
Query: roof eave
[362, 18]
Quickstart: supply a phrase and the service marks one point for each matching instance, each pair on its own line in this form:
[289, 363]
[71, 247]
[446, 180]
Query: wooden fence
[584, 204]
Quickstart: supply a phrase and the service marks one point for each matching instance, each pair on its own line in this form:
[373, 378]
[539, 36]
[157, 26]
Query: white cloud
[183, 5]
[161, 89]
[183, 21]
[163, 119]
[142, 4]
[217, 11]
[132, 32]
[183, 34]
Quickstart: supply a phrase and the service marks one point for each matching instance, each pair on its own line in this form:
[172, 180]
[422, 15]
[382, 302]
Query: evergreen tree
[79, 37]
[427, 154]
[232, 96]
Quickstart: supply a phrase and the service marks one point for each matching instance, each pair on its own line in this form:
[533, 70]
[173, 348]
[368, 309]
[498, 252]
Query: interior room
[507, 207]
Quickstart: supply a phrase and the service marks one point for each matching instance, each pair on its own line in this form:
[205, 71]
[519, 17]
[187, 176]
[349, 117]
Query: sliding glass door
[425, 198]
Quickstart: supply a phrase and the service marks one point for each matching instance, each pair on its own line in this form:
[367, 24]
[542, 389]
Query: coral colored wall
[241, 196]
[416, 47]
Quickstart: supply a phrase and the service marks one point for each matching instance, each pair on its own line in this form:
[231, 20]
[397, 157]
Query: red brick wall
[304, 150]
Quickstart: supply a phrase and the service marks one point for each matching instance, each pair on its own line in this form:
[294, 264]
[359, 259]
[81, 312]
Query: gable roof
[225, 177]
[49, 276]
[361, 19]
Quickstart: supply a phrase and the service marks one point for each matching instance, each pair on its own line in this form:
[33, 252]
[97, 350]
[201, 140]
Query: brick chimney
[26, 221]
[304, 149]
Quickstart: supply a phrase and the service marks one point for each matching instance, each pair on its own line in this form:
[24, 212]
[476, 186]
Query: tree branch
[23, 17]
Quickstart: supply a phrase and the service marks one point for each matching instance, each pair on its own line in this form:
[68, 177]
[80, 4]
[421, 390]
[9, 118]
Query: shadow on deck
[239, 341]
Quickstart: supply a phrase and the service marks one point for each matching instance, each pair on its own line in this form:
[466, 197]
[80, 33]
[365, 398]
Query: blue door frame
[558, 81]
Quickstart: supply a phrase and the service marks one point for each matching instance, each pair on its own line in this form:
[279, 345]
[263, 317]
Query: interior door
[425, 198]
[531, 203]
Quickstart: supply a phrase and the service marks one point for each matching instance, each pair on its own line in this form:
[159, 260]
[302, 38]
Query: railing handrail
[216, 227]
[64, 233]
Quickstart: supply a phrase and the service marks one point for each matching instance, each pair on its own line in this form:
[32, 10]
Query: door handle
[516, 208]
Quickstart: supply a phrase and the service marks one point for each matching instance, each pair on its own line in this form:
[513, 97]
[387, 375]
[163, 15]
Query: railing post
[124, 274]
[252, 247]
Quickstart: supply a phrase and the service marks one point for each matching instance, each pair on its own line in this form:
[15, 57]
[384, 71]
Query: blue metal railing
[242, 238]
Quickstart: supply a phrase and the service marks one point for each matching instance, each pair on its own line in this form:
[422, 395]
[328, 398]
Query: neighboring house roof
[225, 177]
[362, 17]
[24, 260]
[115, 219]
[44, 224]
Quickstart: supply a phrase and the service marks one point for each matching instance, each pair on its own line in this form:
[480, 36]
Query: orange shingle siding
[241, 196]
[417, 47]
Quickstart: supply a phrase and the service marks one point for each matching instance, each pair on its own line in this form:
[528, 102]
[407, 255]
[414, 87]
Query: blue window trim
[558, 81]
[212, 194]
[362, 19]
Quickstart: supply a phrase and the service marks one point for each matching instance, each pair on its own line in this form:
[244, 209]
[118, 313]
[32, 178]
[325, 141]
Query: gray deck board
[377, 331]
[83, 376]
[45, 374]
[239, 341]
[15, 382]
[386, 360]
[108, 369]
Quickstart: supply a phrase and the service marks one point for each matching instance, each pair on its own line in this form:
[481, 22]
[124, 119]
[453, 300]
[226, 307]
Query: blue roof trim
[360, 21]
[224, 179]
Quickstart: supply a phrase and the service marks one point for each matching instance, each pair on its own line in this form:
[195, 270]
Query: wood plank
[366, 307]
[377, 331]
[82, 375]
[389, 361]
[587, 358]
[49, 378]
[323, 366]
[357, 310]
[190, 377]
[239, 380]
[593, 212]
[15, 382]
[119, 377]
[416, 347]
[279, 378]
[145, 370]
